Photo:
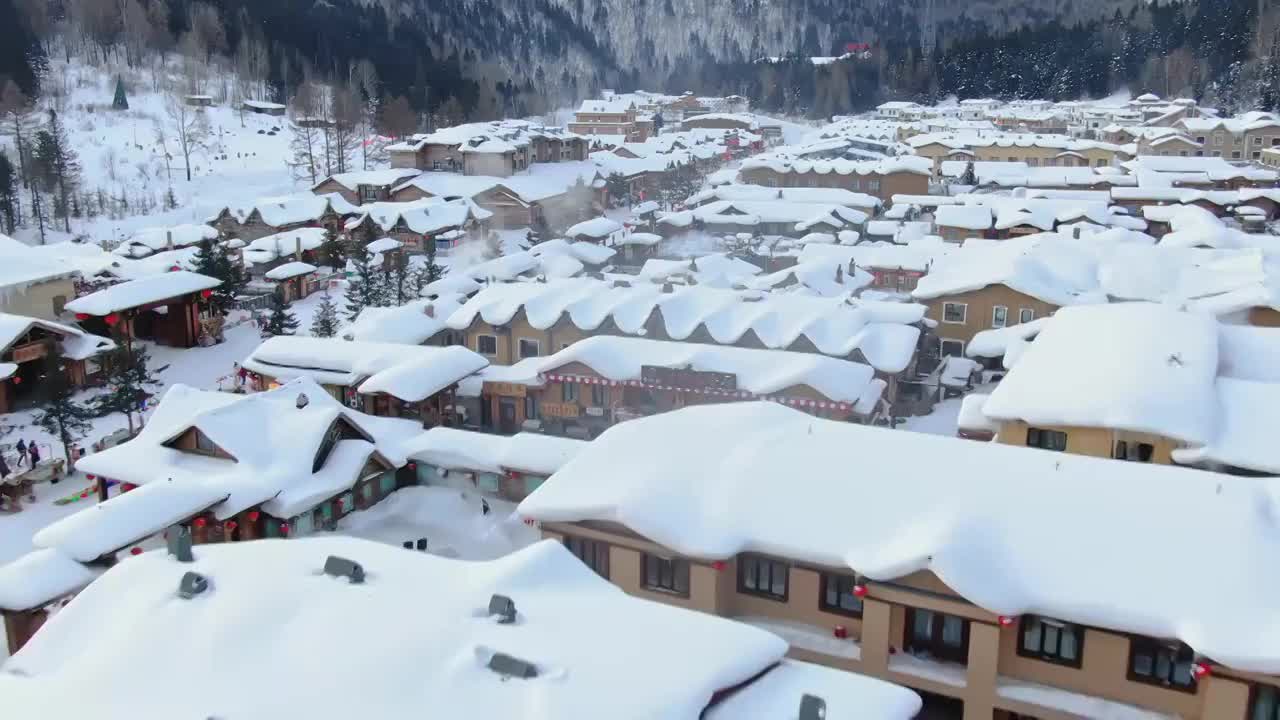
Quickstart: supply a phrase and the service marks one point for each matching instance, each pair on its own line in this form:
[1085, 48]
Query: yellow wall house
[992, 578]
[1145, 383]
[32, 283]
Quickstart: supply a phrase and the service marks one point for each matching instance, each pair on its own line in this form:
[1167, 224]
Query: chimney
[667, 287]
[168, 239]
[429, 311]
[179, 541]
[297, 244]
[336, 566]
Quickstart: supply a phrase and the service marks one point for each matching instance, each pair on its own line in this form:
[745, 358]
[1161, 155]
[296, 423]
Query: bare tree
[342, 129]
[16, 117]
[187, 126]
[398, 118]
[307, 142]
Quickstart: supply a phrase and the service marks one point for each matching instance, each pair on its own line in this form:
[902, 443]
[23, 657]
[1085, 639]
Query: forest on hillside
[477, 59]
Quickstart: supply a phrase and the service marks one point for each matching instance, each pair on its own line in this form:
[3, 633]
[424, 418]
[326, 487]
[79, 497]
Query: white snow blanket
[142, 291]
[588, 641]
[968, 512]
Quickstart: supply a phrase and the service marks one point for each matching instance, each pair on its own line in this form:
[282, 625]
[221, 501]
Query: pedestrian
[35, 454]
[4, 467]
[484, 506]
[22, 452]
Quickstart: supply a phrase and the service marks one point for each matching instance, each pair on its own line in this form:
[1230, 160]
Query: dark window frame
[935, 646]
[537, 348]
[839, 580]
[1150, 646]
[480, 343]
[677, 567]
[1054, 656]
[1144, 454]
[531, 407]
[599, 396]
[764, 563]
[593, 553]
[1043, 439]
[1255, 695]
[569, 392]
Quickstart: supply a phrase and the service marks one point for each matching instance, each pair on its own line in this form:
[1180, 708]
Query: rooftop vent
[302, 401]
[342, 567]
[812, 707]
[504, 607]
[509, 666]
[191, 585]
[178, 539]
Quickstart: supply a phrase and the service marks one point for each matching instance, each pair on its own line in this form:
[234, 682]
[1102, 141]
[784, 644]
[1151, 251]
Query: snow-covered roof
[1171, 373]
[380, 178]
[884, 333]
[291, 209]
[142, 291]
[826, 196]
[450, 448]
[612, 106]
[272, 445]
[967, 217]
[413, 323]
[156, 239]
[971, 416]
[290, 270]
[263, 105]
[40, 576]
[426, 216]
[75, 343]
[22, 266]
[758, 372]
[410, 373]
[743, 477]
[781, 162]
[589, 641]
[1214, 168]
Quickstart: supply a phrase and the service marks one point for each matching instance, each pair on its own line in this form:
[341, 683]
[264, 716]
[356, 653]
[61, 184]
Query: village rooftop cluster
[663, 366]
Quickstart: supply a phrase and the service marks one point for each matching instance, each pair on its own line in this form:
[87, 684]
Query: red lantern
[17, 380]
[82, 316]
[1200, 670]
[135, 550]
[1007, 620]
[91, 476]
[841, 632]
[127, 487]
[84, 494]
[338, 503]
[206, 294]
[717, 565]
[112, 319]
[200, 522]
[284, 528]
[413, 466]
[253, 516]
[230, 525]
[860, 591]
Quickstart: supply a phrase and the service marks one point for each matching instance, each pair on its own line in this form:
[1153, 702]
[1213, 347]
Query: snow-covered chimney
[297, 247]
[429, 311]
[168, 239]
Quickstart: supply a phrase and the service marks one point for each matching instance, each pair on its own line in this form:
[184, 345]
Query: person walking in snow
[35, 454]
[22, 452]
[484, 506]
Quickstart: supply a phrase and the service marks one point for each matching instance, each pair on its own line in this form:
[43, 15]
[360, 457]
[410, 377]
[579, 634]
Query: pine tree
[362, 289]
[8, 195]
[617, 188]
[427, 272]
[212, 260]
[281, 321]
[120, 102]
[969, 177]
[334, 251]
[325, 323]
[59, 165]
[128, 382]
[61, 415]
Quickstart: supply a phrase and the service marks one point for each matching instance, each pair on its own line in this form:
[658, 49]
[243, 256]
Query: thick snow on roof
[971, 416]
[781, 162]
[759, 372]
[996, 342]
[584, 252]
[826, 196]
[76, 344]
[425, 216]
[882, 332]
[40, 576]
[1214, 168]
[21, 265]
[600, 227]
[273, 442]
[465, 450]
[382, 245]
[382, 178]
[156, 239]
[967, 217]
[413, 323]
[292, 209]
[613, 106]
[1060, 271]
[290, 270]
[142, 291]
[587, 639]
[411, 373]
[743, 477]
[270, 248]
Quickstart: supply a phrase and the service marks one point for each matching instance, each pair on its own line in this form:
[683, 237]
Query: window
[368, 193]
[1275, 141]
[1217, 139]
[1103, 162]
[1026, 315]
[873, 185]
[1200, 139]
[486, 345]
[1161, 663]
[936, 635]
[204, 444]
[598, 394]
[999, 316]
[529, 348]
[761, 576]
[1050, 640]
[954, 313]
[1134, 451]
[594, 553]
[952, 348]
[1255, 155]
[1265, 704]
[1235, 154]
[1046, 439]
[1237, 140]
[530, 407]
[837, 595]
[666, 574]
[1257, 141]
[569, 392]
[59, 304]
